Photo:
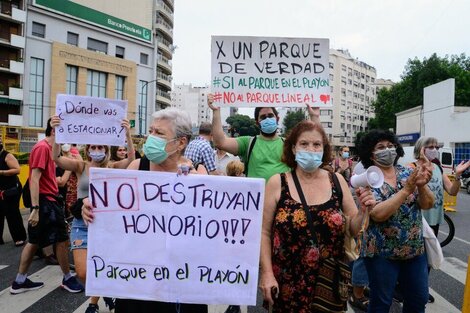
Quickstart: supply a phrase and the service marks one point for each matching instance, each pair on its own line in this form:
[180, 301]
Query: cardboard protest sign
[270, 71]
[90, 120]
[186, 239]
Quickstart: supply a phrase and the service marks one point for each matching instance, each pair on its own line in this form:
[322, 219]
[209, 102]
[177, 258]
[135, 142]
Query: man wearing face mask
[46, 223]
[262, 157]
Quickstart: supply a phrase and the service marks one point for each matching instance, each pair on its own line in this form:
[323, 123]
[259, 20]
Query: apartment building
[164, 38]
[192, 100]
[92, 48]
[12, 45]
[353, 89]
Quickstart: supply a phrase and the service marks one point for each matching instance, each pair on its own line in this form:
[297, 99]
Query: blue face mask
[268, 125]
[154, 149]
[345, 155]
[309, 161]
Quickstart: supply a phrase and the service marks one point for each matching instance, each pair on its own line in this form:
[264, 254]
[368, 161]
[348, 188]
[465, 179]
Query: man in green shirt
[265, 157]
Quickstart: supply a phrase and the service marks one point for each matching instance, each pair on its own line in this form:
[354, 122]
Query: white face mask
[431, 154]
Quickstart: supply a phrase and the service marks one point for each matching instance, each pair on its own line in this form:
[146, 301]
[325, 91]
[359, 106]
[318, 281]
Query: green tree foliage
[242, 125]
[292, 118]
[418, 74]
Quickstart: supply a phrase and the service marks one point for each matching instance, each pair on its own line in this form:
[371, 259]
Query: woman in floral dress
[290, 258]
[394, 239]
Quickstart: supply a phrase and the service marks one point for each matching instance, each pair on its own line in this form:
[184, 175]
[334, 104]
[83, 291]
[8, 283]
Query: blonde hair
[235, 168]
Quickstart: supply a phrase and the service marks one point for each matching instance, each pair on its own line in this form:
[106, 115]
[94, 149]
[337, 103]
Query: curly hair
[368, 142]
[288, 156]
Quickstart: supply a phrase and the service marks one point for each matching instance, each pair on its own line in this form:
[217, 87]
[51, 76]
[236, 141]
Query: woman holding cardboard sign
[307, 213]
[169, 135]
[97, 156]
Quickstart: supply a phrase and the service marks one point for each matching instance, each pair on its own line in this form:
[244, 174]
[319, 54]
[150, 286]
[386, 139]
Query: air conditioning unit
[12, 130]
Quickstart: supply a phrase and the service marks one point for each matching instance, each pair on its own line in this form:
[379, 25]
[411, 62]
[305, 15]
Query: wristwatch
[35, 207]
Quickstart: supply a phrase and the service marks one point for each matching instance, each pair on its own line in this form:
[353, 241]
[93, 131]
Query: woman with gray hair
[438, 183]
[168, 137]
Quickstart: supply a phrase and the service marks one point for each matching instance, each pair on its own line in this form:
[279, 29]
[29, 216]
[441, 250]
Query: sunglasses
[96, 147]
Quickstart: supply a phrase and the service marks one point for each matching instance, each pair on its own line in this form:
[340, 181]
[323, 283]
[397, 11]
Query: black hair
[368, 142]
[259, 109]
[48, 128]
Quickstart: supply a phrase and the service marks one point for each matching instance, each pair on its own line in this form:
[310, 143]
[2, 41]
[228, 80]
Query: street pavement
[446, 284]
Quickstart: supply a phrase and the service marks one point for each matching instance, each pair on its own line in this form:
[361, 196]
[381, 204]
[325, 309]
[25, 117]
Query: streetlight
[144, 84]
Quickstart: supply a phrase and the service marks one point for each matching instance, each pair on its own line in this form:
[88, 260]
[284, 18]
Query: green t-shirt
[265, 159]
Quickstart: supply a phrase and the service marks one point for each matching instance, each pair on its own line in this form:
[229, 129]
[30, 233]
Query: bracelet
[35, 207]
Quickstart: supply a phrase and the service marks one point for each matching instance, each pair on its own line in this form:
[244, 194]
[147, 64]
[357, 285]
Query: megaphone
[373, 177]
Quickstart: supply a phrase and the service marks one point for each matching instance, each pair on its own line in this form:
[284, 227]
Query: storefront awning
[9, 101]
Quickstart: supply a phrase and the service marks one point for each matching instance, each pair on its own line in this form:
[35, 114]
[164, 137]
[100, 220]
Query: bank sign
[98, 18]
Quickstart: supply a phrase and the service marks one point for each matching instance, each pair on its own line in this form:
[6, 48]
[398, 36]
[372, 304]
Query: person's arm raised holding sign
[123, 163]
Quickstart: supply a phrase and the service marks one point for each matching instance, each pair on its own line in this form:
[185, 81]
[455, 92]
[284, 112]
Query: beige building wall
[63, 55]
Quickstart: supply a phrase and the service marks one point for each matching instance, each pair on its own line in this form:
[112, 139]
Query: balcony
[164, 80]
[17, 41]
[163, 98]
[165, 63]
[164, 27]
[165, 10]
[15, 93]
[11, 66]
[164, 46]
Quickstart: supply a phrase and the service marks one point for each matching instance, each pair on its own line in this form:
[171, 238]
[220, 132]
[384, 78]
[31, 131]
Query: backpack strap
[248, 153]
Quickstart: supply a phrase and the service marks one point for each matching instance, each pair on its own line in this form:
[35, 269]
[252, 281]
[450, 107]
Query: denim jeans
[359, 273]
[412, 276]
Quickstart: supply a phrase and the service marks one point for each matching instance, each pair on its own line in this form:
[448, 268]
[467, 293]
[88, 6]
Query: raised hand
[314, 113]
[462, 167]
[366, 199]
[425, 169]
[55, 121]
[210, 102]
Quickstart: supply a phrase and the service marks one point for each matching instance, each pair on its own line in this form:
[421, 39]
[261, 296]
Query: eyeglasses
[382, 147]
[265, 116]
[96, 147]
[433, 147]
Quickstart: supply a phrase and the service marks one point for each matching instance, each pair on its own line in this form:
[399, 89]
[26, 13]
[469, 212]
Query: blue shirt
[200, 152]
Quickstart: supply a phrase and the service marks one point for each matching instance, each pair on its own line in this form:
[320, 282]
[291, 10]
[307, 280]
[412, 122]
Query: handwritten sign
[186, 239]
[90, 120]
[270, 71]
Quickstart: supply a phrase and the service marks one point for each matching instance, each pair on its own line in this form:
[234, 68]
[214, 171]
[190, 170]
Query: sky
[382, 33]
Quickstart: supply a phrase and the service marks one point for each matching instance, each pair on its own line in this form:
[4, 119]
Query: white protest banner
[90, 120]
[270, 71]
[185, 239]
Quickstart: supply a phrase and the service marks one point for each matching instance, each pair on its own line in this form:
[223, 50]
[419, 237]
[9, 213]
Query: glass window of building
[96, 84]
[39, 30]
[142, 112]
[97, 45]
[120, 52]
[72, 77]
[119, 90]
[36, 92]
[144, 58]
[72, 39]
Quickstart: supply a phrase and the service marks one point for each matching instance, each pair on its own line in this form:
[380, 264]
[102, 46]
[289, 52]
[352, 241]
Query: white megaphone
[372, 177]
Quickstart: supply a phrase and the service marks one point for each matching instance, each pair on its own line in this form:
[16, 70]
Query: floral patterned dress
[295, 257]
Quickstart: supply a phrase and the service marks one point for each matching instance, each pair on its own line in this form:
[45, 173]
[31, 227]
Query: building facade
[12, 45]
[353, 89]
[192, 100]
[164, 38]
[439, 118]
[89, 48]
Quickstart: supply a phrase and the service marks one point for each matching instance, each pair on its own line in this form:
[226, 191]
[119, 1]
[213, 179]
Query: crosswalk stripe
[51, 276]
[455, 268]
[440, 305]
[3, 266]
[456, 238]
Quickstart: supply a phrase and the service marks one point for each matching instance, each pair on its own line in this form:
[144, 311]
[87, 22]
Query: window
[36, 92]
[120, 52]
[144, 58]
[72, 39]
[39, 30]
[96, 84]
[332, 65]
[142, 112]
[97, 45]
[325, 112]
[343, 67]
[71, 83]
[326, 124]
[119, 90]
[331, 77]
